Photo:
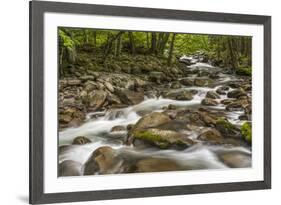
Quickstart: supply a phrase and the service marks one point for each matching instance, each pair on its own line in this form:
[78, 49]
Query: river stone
[73, 82]
[118, 128]
[236, 159]
[130, 97]
[163, 139]
[80, 140]
[96, 99]
[201, 82]
[209, 102]
[186, 82]
[235, 106]
[109, 87]
[175, 85]
[180, 95]
[212, 95]
[70, 168]
[227, 101]
[227, 129]
[236, 93]
[156, 165]
[85, 78]
[211, 136]
[103, 160]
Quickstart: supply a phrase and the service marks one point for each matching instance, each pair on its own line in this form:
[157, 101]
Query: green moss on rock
[246, 131]
[244, 71]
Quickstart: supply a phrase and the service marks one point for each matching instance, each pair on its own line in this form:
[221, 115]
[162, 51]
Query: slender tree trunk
[95, 40]
[153, 43]
[132, 43]
[119, 45]
[60, 61]
[109, 44]
[171, 49]
[163, 43]
[147, 40]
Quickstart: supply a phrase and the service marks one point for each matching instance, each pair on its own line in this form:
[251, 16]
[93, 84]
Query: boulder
[70, 168]
[222, 90]
[227, 129]
[148, 121]
[212, 136]
[175, 85]
[81, 140]
[209, 102]
[201, 82]
[109, 87]
[186, 82]
[96, 99]
[129, 97]
[103, 160]
[73, 82]
[156, 165]
[212, 95]
[236, 93]
[180, 95]
[118, 128]
[236, 159]
[163, 139]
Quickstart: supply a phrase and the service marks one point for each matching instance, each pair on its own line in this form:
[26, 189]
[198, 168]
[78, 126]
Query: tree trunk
[153, 43]
[171, 49]
[119, 45]
[132, 43]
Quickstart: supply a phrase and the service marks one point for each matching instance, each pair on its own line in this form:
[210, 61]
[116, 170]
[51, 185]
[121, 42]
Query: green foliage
[244, 71]
[230, 51]
[66, 40]
[246, 131]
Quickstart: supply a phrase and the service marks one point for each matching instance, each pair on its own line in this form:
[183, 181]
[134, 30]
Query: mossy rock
[244, 71]
[163, 139]
[227, 129]
[246, 131]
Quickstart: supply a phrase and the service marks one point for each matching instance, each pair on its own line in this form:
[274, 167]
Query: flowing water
[199, 156]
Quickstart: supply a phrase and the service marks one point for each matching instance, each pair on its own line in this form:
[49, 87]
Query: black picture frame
[37, 10]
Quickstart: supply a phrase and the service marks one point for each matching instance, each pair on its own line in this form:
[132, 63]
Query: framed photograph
[132, 102]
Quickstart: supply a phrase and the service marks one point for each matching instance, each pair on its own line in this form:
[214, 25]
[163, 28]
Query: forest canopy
[225, 51]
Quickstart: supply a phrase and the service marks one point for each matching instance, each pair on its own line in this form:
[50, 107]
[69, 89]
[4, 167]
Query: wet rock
[246, 131]
[212, 95]
[202, 82]
[235, 106]
[151, 120]
[104, 160]
[73, 82]
[222, 90]
[244, 117]
[156, 165]
[163, 139]
[180, 95]
[118, 128]
[186, 82]
[227, 101]
[71, 116]
[175, 85]
[70, 168]
[209, 102]
[81, 140]
[236, 93]
[236, 159]
[212, 136]
[96, 99]
[85, 78]
[109, 87]
[227, 129]
[129, 97]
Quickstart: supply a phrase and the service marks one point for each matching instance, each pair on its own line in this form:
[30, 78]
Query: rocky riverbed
[188, 117]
